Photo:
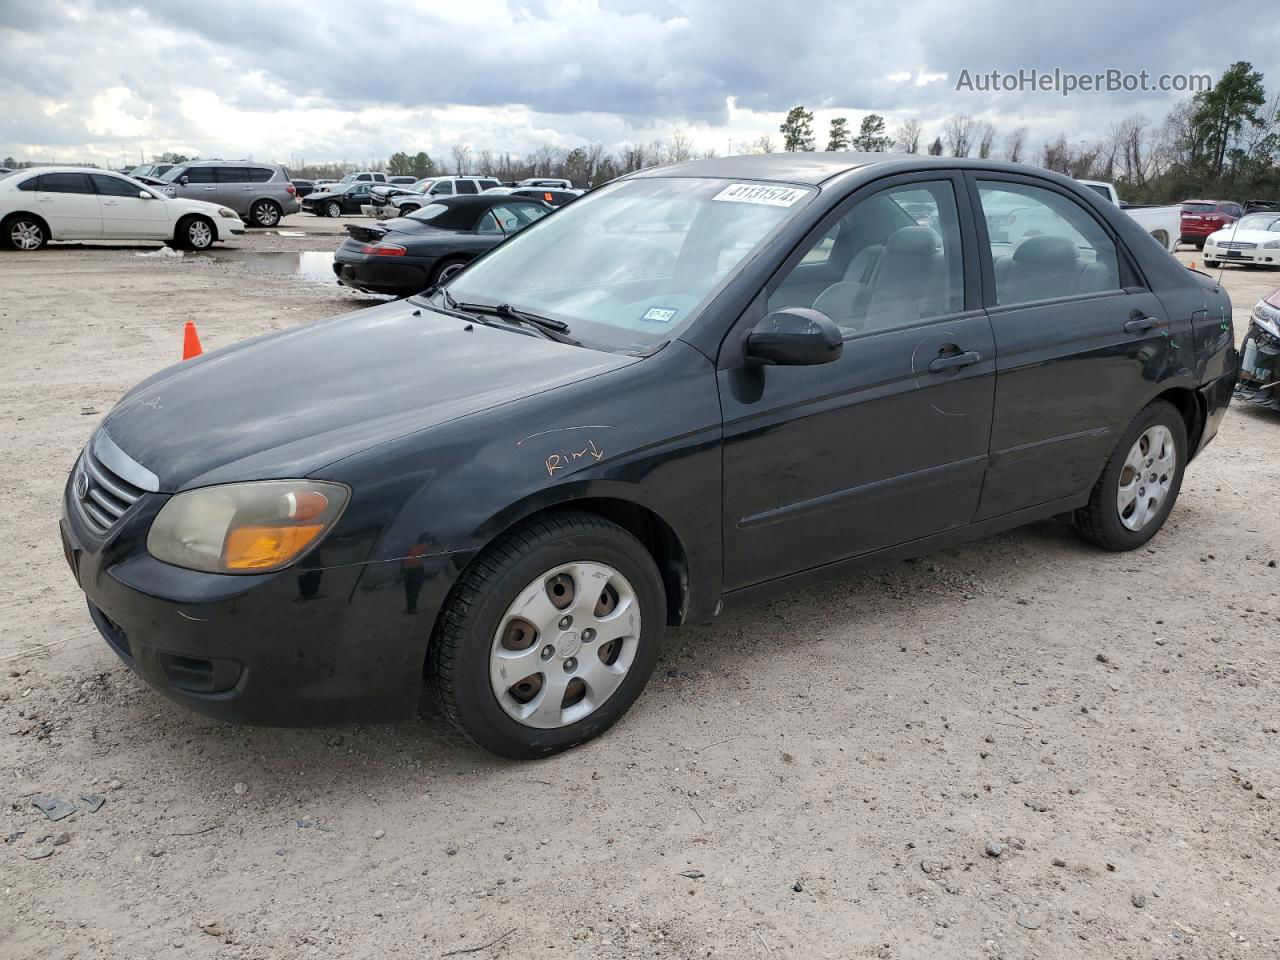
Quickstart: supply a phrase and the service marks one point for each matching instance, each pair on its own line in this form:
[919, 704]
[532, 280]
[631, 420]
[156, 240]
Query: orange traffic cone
[190, 342]
[1191, 265]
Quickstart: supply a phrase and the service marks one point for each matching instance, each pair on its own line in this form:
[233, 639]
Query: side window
[466, 186]
[1044, 245]
[516, 216]
[232, 174]
[892, 261]
[489, 222]
[443, 188]
[65, 183]
[260, 174]
[114, 186]
[33, 183]
[199, 174]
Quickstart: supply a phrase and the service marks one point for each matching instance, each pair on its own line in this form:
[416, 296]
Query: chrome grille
[1236, 245]
[101, 490]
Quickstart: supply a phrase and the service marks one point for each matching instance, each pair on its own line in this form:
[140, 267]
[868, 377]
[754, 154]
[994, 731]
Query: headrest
[1046, 248]
[913, 240]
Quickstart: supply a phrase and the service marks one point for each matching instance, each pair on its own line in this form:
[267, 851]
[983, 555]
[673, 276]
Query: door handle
[954, 361]
[1141, 324]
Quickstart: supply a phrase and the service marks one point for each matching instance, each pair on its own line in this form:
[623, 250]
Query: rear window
[429, 212]
[1197, 208]
[65, 183]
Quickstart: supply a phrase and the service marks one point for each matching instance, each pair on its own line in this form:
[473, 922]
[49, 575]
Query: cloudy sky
[110, 80]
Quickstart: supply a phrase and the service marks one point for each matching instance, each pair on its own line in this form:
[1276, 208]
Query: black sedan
[339, 199]
[411, 253]
[696, 386]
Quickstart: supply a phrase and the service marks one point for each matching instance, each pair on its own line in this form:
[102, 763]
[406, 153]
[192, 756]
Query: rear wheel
[446, 269]
[549, 637]
[25, 232]
[265, 213]
[1140, 482]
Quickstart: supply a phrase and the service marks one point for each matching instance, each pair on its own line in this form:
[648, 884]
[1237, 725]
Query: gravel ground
[1018, 748]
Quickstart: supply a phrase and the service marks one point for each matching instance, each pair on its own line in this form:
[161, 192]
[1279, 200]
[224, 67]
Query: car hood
[1259, 237]
[289, 403]
[198, 206]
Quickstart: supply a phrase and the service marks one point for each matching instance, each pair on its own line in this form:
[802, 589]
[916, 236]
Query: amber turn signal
[257, 548]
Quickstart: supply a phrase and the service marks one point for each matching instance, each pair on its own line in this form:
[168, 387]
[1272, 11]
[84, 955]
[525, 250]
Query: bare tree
[907, 136]
[985, 136]
[680, 148]
[761, 144]
[484, 162]
[461, 158]
[1056, 155]
[634, 157]
[957, 130]
[1015, 144]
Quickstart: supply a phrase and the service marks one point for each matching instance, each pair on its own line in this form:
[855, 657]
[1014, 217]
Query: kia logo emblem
[82, 486]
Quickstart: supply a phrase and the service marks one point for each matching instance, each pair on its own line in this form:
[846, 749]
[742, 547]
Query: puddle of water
[311, 265]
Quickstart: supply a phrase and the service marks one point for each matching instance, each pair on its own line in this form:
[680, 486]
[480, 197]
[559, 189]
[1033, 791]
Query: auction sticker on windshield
[760, 193]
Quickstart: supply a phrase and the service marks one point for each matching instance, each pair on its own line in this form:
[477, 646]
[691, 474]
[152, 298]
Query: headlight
[245, 527]
[1271, 245]
[228, 212]
[1268, 319]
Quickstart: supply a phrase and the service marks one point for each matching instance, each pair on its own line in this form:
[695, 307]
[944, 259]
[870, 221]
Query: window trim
[1131, 277]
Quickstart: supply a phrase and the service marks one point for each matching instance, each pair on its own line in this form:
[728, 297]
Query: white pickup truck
[1163, 223]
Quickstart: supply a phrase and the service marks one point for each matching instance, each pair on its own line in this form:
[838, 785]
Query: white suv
[74, 203]
[440, 187]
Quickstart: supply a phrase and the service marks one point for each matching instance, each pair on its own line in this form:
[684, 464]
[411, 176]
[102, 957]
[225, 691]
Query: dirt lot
[817, 777]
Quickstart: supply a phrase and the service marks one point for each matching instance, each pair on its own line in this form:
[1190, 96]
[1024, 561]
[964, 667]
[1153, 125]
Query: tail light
[383, 249]
[291, 189]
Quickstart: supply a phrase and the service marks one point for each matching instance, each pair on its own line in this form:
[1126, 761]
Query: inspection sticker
[760, 193]
[659, 314]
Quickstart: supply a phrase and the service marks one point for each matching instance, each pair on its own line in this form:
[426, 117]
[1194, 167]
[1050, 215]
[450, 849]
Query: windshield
[629, 266]
[1258, 221]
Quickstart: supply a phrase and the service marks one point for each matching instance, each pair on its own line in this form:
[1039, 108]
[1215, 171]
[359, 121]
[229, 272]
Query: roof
[813, 168]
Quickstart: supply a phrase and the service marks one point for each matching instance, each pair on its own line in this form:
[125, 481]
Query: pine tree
[797, 130]
[838, 139]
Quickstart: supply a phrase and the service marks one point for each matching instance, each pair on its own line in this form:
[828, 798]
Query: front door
[888, 443]
[125, 214]
[1079, 342]
[69, 205]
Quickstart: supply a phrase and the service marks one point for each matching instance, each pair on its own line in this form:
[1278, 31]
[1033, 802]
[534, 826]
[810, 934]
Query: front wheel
[333, 209]
[196, 233]
[549, 636]
[1210, 264]
[1139, 484]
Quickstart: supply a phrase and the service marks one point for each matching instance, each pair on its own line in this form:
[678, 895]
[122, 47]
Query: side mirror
[144, 195]
[183, 181]
[795, 337]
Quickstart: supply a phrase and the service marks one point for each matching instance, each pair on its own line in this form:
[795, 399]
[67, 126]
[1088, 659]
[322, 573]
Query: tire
[1104, 520]
[1210, 264]
[265, 213]
[408, 208]
[446, 269]
[472, 654]
[1199, 244]
[333, 209]
[196, 233]
[24, 232]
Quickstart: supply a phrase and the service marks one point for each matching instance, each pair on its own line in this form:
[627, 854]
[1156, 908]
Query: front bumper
[1254, 255]
[310, 645]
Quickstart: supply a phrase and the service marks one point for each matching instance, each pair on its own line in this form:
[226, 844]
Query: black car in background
[338, 200]
[411, 253]
[695, 386]
[304, 187]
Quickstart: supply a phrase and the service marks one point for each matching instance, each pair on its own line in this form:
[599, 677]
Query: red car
[1201, 217]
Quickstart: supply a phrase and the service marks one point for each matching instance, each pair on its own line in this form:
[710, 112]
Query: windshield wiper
[553, 329]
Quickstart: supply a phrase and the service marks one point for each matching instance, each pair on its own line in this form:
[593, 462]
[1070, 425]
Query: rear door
[69, 204]
[234, 188]
[125, 214]
[1080, 340]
